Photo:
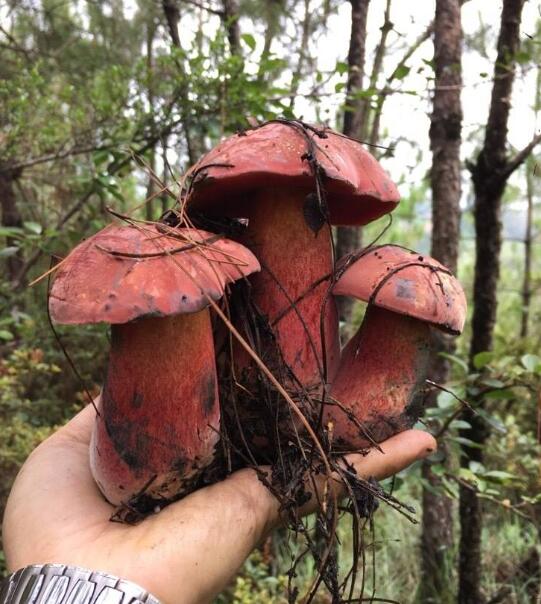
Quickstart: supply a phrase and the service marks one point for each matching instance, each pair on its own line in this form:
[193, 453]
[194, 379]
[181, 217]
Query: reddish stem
[159, 419]
[382, 370]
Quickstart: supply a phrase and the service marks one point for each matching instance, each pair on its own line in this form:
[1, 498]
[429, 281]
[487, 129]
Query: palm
[188, 552]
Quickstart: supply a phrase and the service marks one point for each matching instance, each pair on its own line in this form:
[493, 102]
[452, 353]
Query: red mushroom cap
[275, 154]
[125, 272]
[407, 283]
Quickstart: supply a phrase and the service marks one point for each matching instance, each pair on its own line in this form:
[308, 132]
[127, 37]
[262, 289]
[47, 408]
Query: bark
[356, 61]
[231, 22]
[527, 277]
[377, 65]
[348, 239]
[489, 174]
[172, 16]
[151, 30]
[445, 139]
[303, 53]
[11, 217]
[165, 174]
[273, 10]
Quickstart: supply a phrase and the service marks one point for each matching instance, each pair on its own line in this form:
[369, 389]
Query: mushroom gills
[377, 390]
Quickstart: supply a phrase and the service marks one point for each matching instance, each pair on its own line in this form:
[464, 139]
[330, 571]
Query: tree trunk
[489, 174]
[171, 11]
[273, 10]
[231, 22]
[348, 239]
[527, 277]
[11, 217]
[303, 54]
[377, 65]
[445, 139]
[150, 202]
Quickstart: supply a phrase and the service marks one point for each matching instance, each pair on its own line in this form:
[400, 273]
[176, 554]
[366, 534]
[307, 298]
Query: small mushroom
[376, 391]
[159, 414]
[271, 175]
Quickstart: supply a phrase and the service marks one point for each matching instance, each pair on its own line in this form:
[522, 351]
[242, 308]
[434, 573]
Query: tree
[348, 239]
[490, 173]
[445, 139]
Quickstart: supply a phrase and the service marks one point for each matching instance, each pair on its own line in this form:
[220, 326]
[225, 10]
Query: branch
[113, 168]
[34, 161]
[521, 156]
[206, 7]
[374, 134]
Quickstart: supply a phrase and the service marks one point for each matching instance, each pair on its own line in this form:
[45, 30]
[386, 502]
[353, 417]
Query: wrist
[60, 584]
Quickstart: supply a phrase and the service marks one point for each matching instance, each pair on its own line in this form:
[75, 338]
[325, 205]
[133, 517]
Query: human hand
[189, 551]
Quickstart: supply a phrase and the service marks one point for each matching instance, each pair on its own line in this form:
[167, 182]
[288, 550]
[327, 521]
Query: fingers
[397, 453]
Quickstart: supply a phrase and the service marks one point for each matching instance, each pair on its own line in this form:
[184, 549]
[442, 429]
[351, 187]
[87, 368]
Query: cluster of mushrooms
[225, 348]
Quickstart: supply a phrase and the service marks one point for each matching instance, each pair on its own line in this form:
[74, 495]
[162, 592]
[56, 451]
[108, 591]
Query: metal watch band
[60, 584]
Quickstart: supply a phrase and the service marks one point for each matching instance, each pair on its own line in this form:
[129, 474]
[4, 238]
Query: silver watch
[60, 584]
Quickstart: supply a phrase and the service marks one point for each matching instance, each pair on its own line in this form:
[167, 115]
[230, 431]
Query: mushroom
[159, 416]
[376, 391]
[283, 177]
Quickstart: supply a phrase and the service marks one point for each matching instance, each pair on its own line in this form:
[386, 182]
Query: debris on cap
[408, 283]
[282, 153]
[129, 272]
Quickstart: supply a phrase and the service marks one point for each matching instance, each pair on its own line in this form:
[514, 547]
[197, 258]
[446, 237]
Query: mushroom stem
[294, 259]
[159, 417]
[376, 391]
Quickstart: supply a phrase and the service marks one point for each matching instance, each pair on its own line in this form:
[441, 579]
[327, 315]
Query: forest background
[103, 103]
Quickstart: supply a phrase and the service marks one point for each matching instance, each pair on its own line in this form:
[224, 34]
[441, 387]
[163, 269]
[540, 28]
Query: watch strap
[61, 584]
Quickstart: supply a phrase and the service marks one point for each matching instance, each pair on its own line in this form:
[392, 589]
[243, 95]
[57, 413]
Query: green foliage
[256, 585]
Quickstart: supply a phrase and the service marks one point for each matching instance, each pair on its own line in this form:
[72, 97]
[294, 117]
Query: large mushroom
[376, 391]
[288, 178]
[159, 416]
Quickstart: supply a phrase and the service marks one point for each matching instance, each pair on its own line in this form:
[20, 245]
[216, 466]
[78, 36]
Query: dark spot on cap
[107, 307]
[420, 258]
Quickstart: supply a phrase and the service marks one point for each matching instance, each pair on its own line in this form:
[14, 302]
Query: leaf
[455, 359]
[476, 467]
[33, 227]
[401, 72]
[249, 40]
[531, 362]
[6, 252]
[460, 424]
[500, 395]
[499, 475]
[467, 474]
[341, 67]
[492, 383]
[10, 231]
[6, 335]
[482, 359]
[466, 442]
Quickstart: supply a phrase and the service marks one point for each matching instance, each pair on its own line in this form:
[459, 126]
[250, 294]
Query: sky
[406, 117]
